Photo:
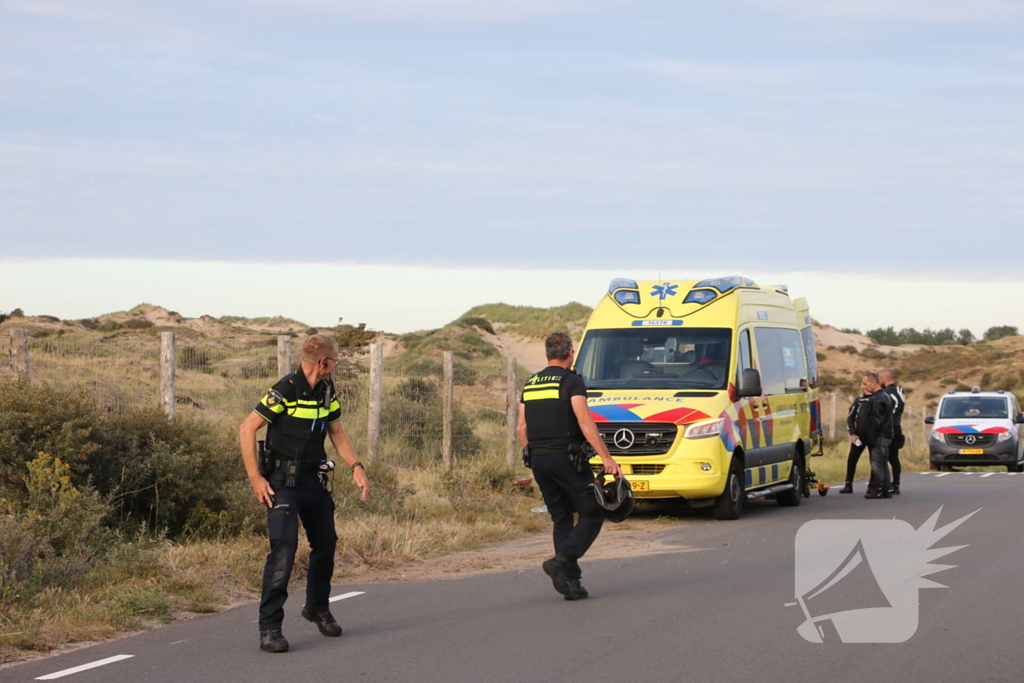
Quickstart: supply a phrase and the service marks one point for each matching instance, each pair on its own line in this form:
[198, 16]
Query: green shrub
[138, 324]
[821, 356]
[475, 321]
[872, 354]
[849, 348]
[109, 326]
[40, 417]
[51, 318]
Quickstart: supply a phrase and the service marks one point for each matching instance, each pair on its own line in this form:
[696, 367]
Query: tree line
[889, 336]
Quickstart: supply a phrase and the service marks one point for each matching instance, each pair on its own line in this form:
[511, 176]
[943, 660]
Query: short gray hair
[557, 346]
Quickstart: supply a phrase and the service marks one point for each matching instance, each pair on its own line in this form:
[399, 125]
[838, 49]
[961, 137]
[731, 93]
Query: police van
[704, 390]
[977, 428]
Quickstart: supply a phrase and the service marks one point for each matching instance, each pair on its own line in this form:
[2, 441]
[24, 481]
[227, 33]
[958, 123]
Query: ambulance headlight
[1004, 436]
[938, 436]
[706, 428]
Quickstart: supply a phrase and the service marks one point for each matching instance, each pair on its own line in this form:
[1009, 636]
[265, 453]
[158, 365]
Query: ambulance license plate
[640, 485]
[972, 451]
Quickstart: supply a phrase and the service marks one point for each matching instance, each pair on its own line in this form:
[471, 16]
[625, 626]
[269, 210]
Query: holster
[527, 458]
[580, 454]
[264, 460]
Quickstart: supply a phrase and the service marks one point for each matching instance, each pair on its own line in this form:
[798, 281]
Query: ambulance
[705, 390]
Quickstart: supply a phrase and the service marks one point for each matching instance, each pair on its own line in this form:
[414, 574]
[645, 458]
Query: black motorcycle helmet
[614, 497]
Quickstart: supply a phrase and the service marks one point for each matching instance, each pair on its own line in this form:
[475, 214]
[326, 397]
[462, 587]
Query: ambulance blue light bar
[726, 284]
[621, 283]
[624, 291]
[700, 296]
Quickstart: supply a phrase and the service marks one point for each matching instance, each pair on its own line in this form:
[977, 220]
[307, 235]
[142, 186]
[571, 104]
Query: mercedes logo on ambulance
[971, 439]
[624, 439]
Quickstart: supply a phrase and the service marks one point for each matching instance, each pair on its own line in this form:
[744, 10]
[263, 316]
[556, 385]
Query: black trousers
[567, 492]
[879, 466]
[309, 502]
[851, 461]
[894, 456]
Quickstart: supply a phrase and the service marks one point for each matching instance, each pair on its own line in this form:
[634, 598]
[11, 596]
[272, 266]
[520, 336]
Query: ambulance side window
[744, 359]
[769, 356]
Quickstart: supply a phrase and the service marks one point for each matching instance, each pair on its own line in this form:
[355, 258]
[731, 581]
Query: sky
[429, 154]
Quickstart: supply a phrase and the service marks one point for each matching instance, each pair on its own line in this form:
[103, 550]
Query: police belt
[559, 450]
[302, 465]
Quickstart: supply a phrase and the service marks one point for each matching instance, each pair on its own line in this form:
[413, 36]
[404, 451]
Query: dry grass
[145, 583]
[831, 467]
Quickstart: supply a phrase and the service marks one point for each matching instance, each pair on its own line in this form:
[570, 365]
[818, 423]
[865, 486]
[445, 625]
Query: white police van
[977, 429]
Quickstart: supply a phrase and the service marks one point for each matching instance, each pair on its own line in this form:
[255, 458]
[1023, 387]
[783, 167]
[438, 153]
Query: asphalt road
[715, 611]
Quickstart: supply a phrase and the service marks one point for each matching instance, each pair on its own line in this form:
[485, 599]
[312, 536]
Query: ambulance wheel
[792, 497]
[729, 505]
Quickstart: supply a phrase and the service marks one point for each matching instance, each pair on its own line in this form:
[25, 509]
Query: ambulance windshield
[655, 358]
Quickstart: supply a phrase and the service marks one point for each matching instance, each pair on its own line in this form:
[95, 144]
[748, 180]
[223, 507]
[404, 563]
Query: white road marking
[178, 642]
[987, 474]
[345, 595]
[788, 604]
[924, 472]
[84, 667]
[944, 474]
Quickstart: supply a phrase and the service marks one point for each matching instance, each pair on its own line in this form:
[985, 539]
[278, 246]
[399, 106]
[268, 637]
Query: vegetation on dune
[530, 321]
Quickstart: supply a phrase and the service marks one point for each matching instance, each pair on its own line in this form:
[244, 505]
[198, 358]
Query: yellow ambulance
[704, 390]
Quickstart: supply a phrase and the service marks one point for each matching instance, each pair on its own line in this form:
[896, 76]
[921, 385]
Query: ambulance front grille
[637, 438]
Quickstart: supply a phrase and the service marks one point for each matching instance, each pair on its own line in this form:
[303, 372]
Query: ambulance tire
[792, 497]
[729, 505]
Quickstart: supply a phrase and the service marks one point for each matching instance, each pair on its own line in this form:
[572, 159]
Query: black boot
[895, 489]
[272, 640]
[557, 569]
[324, 621]
[581, 592]
[872, 493]
[848, 488]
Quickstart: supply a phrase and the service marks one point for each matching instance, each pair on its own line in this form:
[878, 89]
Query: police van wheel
[729, 505]
[793, 497]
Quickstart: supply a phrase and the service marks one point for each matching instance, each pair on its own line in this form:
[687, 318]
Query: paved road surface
[715, 611]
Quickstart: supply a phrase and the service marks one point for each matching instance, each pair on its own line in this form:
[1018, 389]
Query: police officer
[554, 422]
[300, 410]
[899, 398]
[856, 445]
[874, 429]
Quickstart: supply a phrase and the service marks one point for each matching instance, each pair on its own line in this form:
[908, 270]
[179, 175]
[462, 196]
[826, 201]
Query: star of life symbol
[665, 290]
[857, 579]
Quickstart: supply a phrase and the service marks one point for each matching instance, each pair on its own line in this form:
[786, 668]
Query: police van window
[652, 358]
[781, 359]
[974, 407]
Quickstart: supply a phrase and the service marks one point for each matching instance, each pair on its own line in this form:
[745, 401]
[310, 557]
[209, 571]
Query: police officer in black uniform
[554, 423]
[874, 429]
[856, 445]
[300, 409]
[899, 399]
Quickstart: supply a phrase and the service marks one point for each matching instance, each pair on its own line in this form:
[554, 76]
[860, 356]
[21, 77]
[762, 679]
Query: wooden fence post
[376, 390]
[19, 355]
[167, 365]
[449, 399]
[512, 414]
[833, 432]
[284, 355]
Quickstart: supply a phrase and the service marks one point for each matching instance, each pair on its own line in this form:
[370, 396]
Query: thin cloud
[473, 10]
[730, 78]
[932, 11]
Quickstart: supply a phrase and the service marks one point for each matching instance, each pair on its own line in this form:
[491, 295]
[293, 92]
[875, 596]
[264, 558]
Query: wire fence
[223, 379]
